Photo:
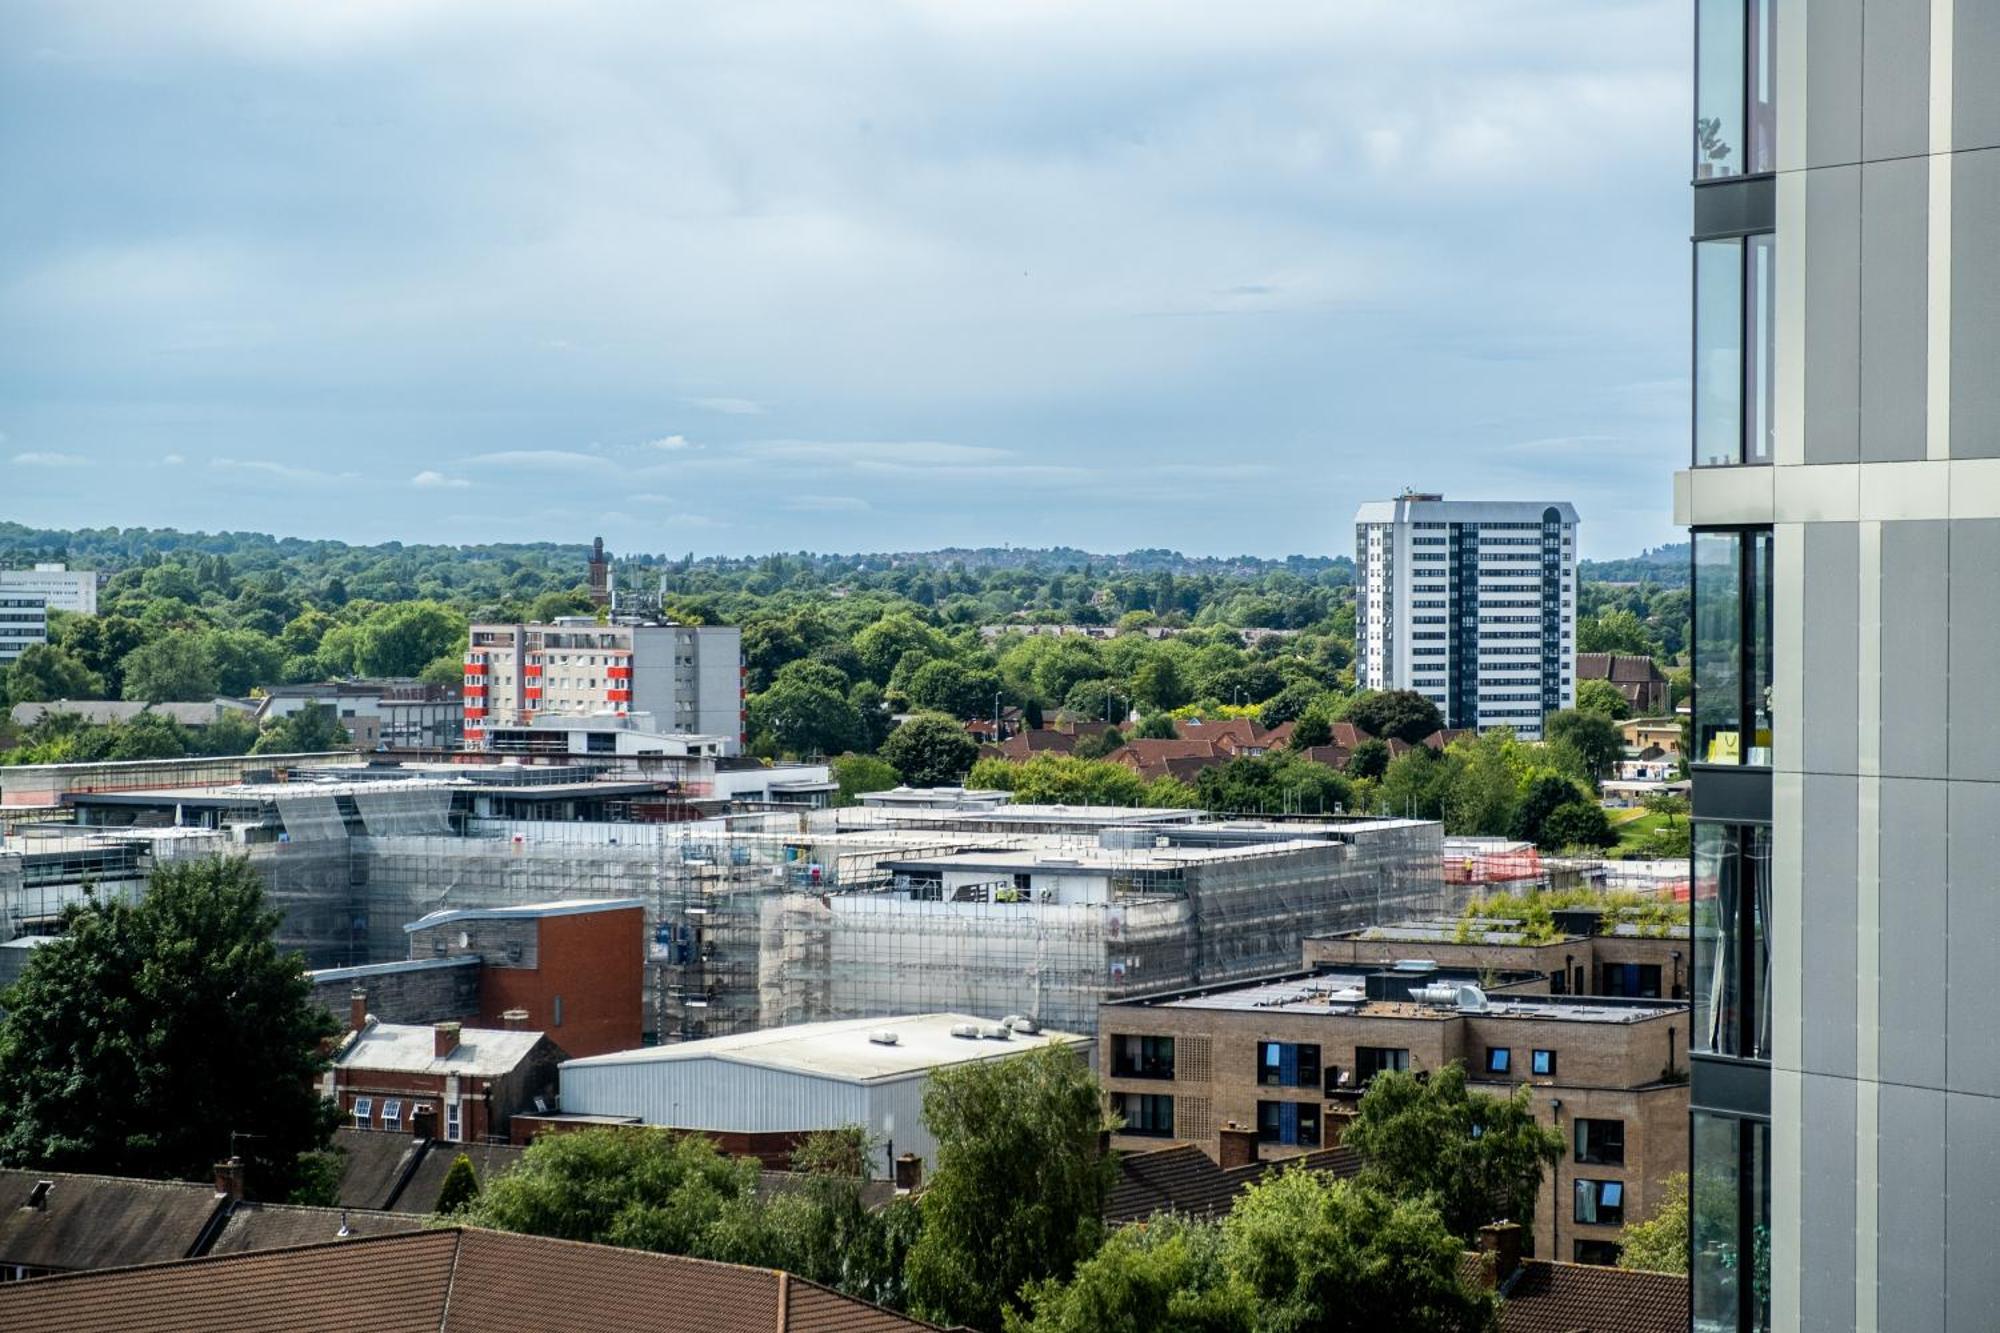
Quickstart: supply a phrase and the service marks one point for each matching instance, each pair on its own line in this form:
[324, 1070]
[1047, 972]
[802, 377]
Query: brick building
[1593, 953]
[1290, 1058]
[460, 1084]
[577, 969]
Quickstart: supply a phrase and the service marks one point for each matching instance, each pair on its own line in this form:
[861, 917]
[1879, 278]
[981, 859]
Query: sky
[843, 276]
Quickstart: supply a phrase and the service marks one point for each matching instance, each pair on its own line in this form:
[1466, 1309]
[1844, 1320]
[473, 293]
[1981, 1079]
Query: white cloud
[826, 504]
[542, 458]
[172, 460]
[429, 478]
[731, 407]
[282, 471]
[39, 458]
[672, 443]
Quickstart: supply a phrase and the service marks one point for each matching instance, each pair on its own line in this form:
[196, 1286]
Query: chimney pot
[515, 1020]
[357, 1009]
[909, 1172]
[1502, 1240]
[446, 1039]
[229, 1179]
[1235, 1147]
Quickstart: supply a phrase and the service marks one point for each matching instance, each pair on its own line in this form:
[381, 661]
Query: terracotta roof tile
[1546, 1297]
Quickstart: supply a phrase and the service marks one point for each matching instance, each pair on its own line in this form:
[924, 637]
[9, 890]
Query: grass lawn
[1635, 826]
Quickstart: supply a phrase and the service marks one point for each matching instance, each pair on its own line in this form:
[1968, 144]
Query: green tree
[1270, 783]
[1417, 783]
[884, 643]
[1670, 806]
[1062, 779]
[243, 660]
[234, 731]
[1099, 744]
[314, 729]
[318, 1181]
[930, 750]
[1168, 1276]
[1660, 1243]
[1544, 794]
[1615, 632]
[1402, 715]
[174, 667]
[646, 1189]
[1478, 1158]
[460, 1188]
[1157, 727]
[1018, 1193]
[1370, 759]
[403, 639]
[1480, 800]
[1158, 684]
[1604, 699]
[860, 773]
[802, 716]
[1345, 1256]
[1595, 737]
[1312, 729]
[1578, 824]
[140, 1038]
[949, 686]
[44, 672]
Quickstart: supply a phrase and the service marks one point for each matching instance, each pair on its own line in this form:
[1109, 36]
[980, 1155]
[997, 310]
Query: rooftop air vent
[1444, 992]
[884, 1037]
[1471, 999]
[996, 1032]
[1020, 1023]
[967, 1030]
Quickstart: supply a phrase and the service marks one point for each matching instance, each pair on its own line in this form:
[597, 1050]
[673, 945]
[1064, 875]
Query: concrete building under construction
[789, 915]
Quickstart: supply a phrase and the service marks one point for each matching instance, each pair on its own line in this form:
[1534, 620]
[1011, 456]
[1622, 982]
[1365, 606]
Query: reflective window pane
[1760, 561]
[1762, 93]
[1760, 348]
[1718, 648]
[1715, 1208]
[1718, 89]
[1718, 353]
[1717, 1015]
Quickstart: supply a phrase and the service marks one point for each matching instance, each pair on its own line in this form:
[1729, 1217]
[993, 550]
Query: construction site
[779, 916]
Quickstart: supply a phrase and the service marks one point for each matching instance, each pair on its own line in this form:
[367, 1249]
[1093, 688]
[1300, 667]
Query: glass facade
[1735, 351]
[1730, 1204]
[1736, 88]
[1732, 952]
[1732, 647]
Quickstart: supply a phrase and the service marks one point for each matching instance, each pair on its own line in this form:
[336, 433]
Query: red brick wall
[475, 1108]
[596, 961]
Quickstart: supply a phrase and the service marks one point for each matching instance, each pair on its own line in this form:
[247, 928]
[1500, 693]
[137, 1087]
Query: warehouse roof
[845, 1049]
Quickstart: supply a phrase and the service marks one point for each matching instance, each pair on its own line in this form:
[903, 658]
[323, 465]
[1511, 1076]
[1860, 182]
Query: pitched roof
[277, 1226]
[420, 1193]
[99, 1221]
[455, 1280]
[1545, 1297]
[1622, 668]
[1183, 1179]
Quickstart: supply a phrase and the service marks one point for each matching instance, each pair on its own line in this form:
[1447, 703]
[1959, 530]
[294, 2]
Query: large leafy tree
[1168, 1276]
[311, 730]
[647, 1189]
[143, 1037]
[175, 666]
[1402, 715]
[1281, 781]
[1477, 1157]
[930, 750]
[45, 672]
[1347, 1257]
[1660, 1243]
[1595, 737]
[1018, 1192]
[802, 715]
[402, 640]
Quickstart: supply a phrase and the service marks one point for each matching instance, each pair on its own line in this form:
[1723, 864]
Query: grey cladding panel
[1909, 1209]
[1973, 738]
[1830, 695]
[1828, 908]
[1833, 315]
[1972, 915]
[1975, 82]
[1896, 65]
[1913, 931]
[1833, 82]
[1975, 303]
[1915, 630]
[1971, 1212]
[1895, 308]
[1826, 1205]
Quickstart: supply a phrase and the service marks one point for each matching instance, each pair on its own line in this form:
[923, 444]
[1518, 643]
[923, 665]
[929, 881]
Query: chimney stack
[446, 1039]
[357, 1009]
[229, 1179]
[909, 1172]
[515, 1020]
[1235, 1147]
[1502, 1240]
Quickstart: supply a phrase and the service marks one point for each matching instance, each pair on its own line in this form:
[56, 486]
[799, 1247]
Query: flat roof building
[1288, 1058]
[59, 587]
[761, 1092]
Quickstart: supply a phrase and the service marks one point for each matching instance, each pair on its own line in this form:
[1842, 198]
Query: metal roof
[843, 1050]
[525, 911]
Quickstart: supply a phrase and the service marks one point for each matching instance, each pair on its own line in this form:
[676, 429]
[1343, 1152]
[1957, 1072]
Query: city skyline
[1068, 277]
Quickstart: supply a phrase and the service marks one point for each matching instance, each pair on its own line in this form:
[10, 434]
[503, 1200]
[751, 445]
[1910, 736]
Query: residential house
[1638, 678]
[444, 1081]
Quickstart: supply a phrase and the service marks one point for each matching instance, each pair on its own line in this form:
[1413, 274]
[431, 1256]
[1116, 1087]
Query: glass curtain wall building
[1843, 496]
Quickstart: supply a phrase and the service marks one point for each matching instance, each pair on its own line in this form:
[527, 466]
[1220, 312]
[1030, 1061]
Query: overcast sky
[737, 276]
